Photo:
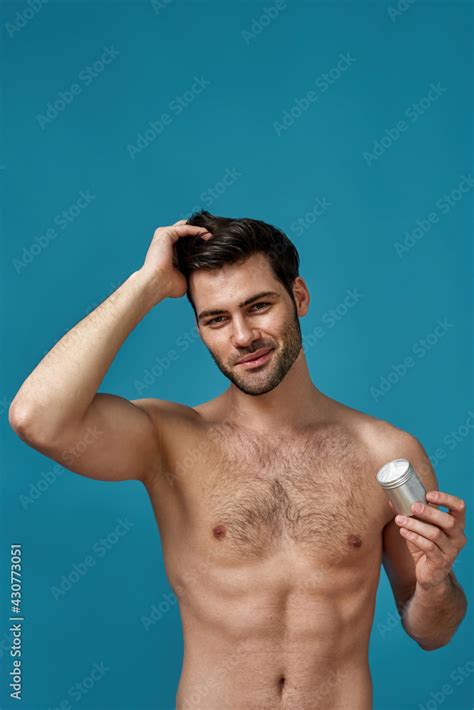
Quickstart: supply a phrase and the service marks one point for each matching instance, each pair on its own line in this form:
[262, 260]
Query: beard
[265, 378]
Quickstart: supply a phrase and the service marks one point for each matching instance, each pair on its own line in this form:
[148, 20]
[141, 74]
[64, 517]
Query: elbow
[25, 423]
[431, 647]
[426, 644]
[37, 428]
[434, 645]
[19, 418]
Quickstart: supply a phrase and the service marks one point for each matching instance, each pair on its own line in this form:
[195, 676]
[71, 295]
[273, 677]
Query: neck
[293, 404]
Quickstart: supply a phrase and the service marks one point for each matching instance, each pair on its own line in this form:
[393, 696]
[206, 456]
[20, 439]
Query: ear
[301, 294]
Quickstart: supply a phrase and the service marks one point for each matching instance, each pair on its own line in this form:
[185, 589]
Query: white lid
[392, 470]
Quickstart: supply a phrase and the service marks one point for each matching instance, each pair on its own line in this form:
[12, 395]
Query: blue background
[252, 73]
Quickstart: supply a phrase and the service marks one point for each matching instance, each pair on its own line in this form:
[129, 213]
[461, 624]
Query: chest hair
[311, 489]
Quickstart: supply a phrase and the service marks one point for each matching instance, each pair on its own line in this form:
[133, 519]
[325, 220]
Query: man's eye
[216, 320]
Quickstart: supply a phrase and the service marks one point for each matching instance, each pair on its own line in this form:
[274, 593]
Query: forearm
[432, 616]
[60, 389]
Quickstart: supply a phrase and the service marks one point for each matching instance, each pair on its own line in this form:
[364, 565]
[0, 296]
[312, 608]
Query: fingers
[456, 505]
[414, 530]
[447, 522]
[429, 547]
[178, 230]
[204, 235]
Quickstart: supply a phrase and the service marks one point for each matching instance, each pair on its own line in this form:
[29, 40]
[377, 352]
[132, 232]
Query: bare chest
[312, 492]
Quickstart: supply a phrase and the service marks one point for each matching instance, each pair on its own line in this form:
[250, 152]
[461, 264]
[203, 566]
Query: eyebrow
[218, 311]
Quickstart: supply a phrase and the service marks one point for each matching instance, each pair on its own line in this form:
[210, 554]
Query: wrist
[150, 285]
[437, 590]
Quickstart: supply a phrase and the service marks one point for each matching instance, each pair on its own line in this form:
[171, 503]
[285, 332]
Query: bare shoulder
[157, 408]
[386, 441]
[378, 442]
[172, 420]
[177, 428]
[178, 425]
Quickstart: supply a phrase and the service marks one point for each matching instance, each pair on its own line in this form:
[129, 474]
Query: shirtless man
[272, 524]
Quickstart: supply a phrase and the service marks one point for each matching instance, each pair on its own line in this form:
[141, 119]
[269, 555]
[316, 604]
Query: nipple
[354, 541]
[218, 531]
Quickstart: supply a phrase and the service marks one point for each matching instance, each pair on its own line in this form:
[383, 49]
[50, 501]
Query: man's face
[236, 329]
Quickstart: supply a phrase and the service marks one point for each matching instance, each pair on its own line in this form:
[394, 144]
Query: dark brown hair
[233, 241]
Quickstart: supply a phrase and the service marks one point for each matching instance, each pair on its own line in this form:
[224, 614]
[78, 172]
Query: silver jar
[401, 484]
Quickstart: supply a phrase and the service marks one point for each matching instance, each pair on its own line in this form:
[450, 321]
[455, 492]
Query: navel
[354, 540]
[219, 531]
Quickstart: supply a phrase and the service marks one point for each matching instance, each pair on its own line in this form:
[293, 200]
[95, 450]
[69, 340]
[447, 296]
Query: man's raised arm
[58, 411]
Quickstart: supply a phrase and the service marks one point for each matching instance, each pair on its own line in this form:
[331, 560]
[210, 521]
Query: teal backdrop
[346, 124]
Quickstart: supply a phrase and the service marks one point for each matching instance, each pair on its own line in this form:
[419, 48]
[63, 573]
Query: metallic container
[401, 484]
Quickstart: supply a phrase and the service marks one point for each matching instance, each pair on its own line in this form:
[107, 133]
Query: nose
[242, 334]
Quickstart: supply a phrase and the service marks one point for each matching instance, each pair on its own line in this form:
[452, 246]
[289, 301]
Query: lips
[255, 355]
